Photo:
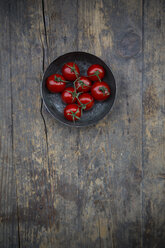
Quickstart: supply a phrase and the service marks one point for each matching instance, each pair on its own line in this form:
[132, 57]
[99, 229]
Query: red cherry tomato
[97, 71]
[86, 101]
[83, 84]
[55, 83]
[70, 71]
[69, 95]
[72, 112]
[100, 91]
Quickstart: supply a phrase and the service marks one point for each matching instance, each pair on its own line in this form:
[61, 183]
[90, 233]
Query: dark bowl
[54, 103]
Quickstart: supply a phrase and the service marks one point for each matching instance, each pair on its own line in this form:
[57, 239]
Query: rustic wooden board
[117, 164]
[101, 186]
[29, 141]
[8, 200]
[96, 171]
[154, 125]
[63, 142]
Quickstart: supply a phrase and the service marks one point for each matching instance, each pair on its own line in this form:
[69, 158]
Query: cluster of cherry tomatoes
[81, 95]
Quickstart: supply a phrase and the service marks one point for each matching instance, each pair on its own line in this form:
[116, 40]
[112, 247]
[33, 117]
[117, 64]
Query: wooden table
[102, 186]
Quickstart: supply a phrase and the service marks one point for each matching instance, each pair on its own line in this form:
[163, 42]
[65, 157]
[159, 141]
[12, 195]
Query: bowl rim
[73, 124]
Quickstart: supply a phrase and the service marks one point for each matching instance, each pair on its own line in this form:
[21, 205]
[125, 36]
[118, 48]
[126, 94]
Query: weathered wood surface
[8, 196]
[153, 185]
[103, 186]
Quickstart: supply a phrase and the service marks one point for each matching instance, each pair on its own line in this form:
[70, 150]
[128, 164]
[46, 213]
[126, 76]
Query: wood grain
[29, 139]
[63, 141]
[92, 165]
[115, 168]
[9, 236]
[95, 187]
[154, 125]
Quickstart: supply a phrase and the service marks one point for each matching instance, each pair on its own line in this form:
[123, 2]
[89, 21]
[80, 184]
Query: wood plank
[8, 199]
[112, 174]
[82, 187]
[154, 124]
[29, 136]
[61, 34]
[96, 172]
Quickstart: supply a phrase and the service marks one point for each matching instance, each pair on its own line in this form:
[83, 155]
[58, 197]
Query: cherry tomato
[97, 71]
[83, 84]
[69, 95]
[70, 71]
[55, 83]
[86, 101]
[100, 91]
[72, 112]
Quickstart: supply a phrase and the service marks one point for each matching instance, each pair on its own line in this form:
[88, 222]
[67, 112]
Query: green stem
[74, 94]
[82, 84]
[73, 114]
[58, 79]
[104, 90]
[95, 74]
[73, 69]
[83, 105]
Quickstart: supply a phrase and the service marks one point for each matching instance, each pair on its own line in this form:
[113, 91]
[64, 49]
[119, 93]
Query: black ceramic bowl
[54, 103]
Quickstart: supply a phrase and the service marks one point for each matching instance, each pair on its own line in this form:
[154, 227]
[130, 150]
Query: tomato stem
[74, 94]
[83, 105]
[73, 69]
[104, 90]
[58, 79]
[96, 73]
[82, 84]
[73, 114]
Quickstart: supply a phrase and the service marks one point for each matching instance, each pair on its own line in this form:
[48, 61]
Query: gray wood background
[102, 186]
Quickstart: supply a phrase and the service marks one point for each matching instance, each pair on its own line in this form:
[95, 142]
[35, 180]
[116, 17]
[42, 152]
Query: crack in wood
[44, 22]
[43, 69]
[45, 129]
